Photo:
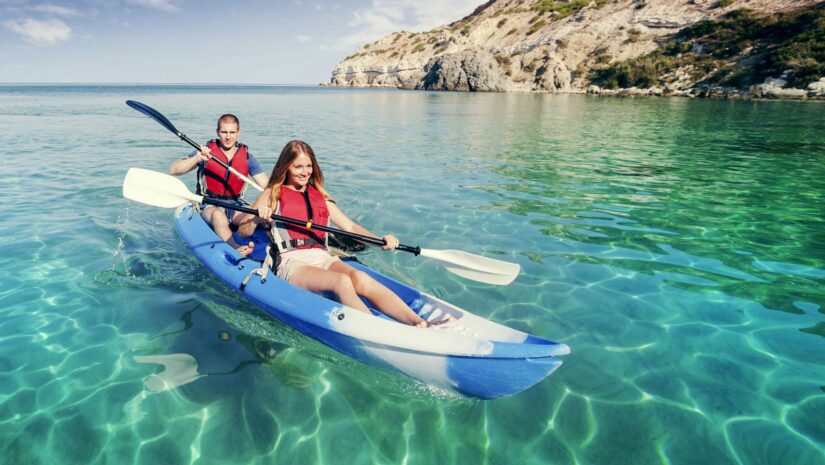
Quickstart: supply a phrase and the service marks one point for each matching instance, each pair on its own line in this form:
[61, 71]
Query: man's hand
[204, 154]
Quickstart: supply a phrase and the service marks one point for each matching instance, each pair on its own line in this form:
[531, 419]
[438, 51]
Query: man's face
[228, 135]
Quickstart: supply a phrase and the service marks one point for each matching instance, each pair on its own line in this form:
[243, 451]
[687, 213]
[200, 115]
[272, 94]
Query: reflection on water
[731, 199]
[181, 369]
[678, 246]
[178, 369]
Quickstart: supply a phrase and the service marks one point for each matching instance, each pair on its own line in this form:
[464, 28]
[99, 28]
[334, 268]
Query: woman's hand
[265, 213]
[247, 222]
[391, 242]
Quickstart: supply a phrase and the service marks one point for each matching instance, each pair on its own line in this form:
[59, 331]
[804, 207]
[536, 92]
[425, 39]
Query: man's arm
[185, 165]
[256, 172]
[262, 179]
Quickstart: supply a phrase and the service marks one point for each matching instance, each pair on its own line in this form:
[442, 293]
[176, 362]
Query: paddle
[163, 190]
[157, 116]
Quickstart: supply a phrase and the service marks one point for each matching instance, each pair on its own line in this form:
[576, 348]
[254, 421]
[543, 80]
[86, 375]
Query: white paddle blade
[156, 189]
[475, 267]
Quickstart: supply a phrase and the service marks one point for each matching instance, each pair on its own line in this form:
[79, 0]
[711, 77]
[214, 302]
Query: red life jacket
[220, 182]
[309, 205]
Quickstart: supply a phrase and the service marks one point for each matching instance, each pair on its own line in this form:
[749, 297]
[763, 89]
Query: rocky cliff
[602, 46]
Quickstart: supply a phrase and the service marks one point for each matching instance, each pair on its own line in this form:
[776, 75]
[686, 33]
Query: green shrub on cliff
[563, 9]
[805, 54]
[633, 35]
[639, 72]
[536, 26]
[739, 49]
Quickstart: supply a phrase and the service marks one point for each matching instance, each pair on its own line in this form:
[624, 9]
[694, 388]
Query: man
[216, 181]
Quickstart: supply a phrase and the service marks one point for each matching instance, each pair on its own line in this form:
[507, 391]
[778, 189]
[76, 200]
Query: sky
[200, 42]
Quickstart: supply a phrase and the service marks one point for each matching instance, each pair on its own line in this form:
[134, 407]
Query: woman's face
[299, 171]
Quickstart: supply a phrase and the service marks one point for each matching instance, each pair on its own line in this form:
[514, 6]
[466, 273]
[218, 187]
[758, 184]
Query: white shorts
[294, 259]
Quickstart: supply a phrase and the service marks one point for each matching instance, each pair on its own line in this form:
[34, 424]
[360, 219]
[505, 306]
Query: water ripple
[675, 245]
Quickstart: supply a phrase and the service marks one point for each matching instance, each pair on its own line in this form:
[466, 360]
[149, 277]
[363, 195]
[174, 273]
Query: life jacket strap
[219, 196]
[307, 242]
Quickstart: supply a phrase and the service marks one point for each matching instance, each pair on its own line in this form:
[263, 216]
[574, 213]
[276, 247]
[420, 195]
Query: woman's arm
[344, 222]
[247, 222]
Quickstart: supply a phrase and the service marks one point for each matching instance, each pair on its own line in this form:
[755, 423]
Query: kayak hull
[471, 356]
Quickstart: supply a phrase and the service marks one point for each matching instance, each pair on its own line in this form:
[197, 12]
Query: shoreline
[758, 93]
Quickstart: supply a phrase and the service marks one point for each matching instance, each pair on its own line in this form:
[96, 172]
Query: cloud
[55, 10]
[41, 32]
[384, 17]
[13, 2]
[302, 39]
[163, 5]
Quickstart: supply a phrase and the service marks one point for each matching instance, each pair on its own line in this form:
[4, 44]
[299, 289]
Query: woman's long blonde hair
[289, 153]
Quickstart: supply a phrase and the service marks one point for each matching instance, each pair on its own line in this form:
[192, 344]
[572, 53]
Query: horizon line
[20, 83]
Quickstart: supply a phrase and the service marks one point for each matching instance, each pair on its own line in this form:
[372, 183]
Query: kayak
[469, 355]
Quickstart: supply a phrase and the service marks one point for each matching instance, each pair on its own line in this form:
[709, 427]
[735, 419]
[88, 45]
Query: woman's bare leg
[379, 295]
[315, 279]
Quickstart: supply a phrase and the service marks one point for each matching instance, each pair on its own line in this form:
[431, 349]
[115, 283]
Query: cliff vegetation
[738, 50]
[730, 48]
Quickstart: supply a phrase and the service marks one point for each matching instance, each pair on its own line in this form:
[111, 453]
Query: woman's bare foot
[245, 250]
[429, 324]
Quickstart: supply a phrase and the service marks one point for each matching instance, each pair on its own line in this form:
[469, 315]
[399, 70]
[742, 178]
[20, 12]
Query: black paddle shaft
[157, 116]
[189, 141]
[297, 222]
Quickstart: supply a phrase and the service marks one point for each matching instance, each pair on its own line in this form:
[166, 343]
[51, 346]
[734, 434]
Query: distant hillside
[731, 48]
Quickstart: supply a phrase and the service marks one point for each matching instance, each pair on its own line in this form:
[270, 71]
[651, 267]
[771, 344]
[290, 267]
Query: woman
[296, 189]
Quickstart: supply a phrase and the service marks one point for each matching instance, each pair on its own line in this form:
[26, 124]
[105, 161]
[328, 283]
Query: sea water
[677, 246]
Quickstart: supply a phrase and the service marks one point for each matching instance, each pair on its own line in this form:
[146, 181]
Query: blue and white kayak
[470, 355]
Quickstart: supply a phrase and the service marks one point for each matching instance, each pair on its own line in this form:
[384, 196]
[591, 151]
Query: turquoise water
[677, 246]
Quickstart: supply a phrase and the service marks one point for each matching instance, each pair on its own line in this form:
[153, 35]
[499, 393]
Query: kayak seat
[260, 241]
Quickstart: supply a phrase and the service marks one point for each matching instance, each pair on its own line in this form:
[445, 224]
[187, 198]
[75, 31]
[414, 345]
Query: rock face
[534, 46]
[817, 89]
[470, 70]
